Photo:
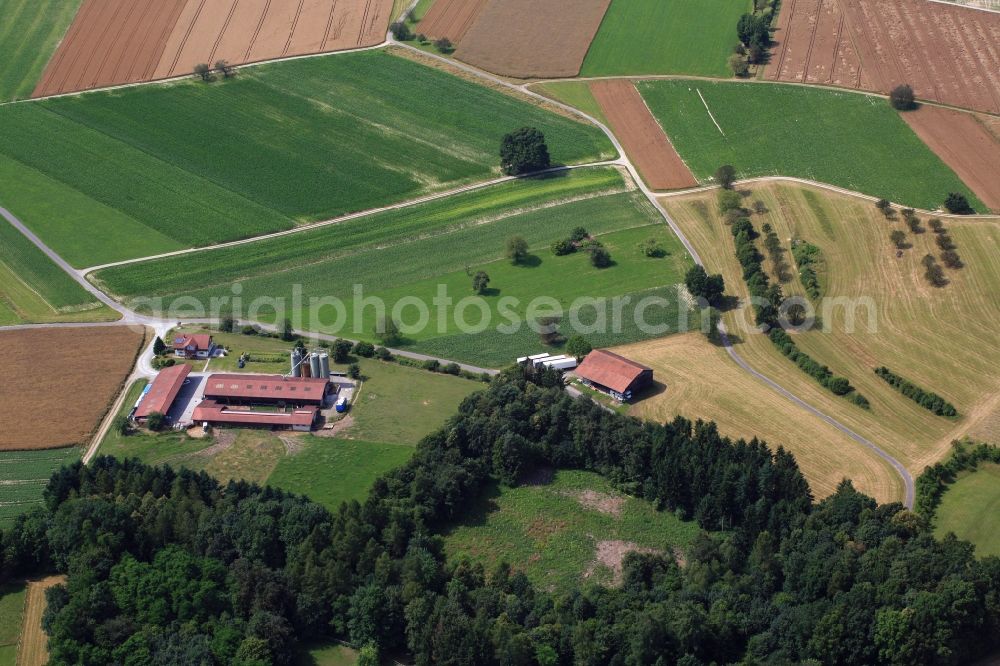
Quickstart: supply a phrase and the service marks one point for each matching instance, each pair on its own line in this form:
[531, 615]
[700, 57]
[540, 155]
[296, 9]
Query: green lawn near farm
[331, 471]
[412, 254]
[29, 34]
[331, 654]
[971, 509]
[11, 618]
[34, 290]
[553, 531]
[665, 37]
[850, 140]
[23, 477]
[194, 164]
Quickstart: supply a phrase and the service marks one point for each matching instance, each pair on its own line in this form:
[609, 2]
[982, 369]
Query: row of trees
[171, 567]
[926, 399]
[935, 479]
[754, 33]
[768, 300]
[807, 257]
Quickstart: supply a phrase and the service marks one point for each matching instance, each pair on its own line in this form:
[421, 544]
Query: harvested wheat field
[876, 308]
[948, 53]
[451, 18]
[702, 382]
[965, 143]
[641, 135]
[528, 39]
[59, 382]
[113, 42]
[33, 647]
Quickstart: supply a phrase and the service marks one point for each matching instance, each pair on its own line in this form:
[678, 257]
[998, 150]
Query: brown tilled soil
[601, 502]
[965, 144]
[125, 41]
[451, 18]
[533, 38]
[110, 42]
[948, 53]
[57, 383]
[641, 135]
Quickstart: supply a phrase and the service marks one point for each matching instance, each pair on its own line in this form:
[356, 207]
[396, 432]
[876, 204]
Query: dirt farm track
[112, 42]
[948, 53]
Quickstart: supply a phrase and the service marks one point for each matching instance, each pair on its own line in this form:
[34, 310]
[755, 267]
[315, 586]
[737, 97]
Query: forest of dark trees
[170, 567]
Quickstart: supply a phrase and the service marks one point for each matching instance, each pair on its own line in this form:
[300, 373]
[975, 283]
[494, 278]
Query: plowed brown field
[531, 38]
[948, 53]
[642, 137]
[451, 18]
[58, 382]
[965, 144]
[113, 42]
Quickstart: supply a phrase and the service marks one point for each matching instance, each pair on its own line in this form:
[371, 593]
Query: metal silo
[324, 365]
[296, 363]
[314, 365]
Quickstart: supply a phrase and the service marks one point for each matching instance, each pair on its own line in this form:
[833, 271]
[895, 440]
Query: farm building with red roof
[295, 418]
[614, 374]
[163, 392]
[193, 346]
[266, 389]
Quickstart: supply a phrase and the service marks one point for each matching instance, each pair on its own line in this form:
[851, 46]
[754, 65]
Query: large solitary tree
[524, 151]
[902, 99]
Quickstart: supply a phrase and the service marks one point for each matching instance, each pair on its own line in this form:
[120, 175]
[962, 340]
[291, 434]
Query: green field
[23, 476]
[854, 141]
[326, 655]
[551, 531]
[971, 509]
[574, 93]
[35, 290]
[29, 34]
[11, 618]
[409, 253]
[665, 37]
[192, 164]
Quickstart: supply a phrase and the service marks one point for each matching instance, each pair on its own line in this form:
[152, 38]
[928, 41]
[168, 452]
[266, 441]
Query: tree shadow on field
[530, 261]
[478, 510]
[561, 172]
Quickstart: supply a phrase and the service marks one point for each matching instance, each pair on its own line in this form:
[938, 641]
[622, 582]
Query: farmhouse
[162, 392]
[193, 346]
[614, 374]
[235, 389]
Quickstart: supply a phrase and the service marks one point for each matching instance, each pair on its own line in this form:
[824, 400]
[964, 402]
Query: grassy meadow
[190, 164]
[665, 37]
[853, 141]
[970, 508]
[409, 253]
[23, 476]
[35, 290]
[328, 469]
[937, 338]
[12, 596]
[553, 530]
[29, 34]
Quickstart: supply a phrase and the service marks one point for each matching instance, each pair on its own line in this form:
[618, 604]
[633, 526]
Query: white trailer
[561, 364]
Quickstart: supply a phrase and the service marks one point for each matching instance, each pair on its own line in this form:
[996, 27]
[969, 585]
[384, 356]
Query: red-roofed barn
[193, 346]
[163, 392]
[266, 389]
[614, 374]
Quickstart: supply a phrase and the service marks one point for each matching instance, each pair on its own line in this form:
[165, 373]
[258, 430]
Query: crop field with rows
[279, 145]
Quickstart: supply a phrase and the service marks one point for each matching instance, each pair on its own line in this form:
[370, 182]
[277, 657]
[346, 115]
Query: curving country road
[143, 369]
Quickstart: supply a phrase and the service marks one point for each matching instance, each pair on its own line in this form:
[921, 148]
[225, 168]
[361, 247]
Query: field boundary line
[472, 187]
[963, 6]
[709, 111]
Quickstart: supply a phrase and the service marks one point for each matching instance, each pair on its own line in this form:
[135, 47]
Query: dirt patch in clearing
[451, 18]
[292, 441]
[948, 53]
[601, 502]
[336, 428]
[530, 39]
[33, 647]
[113, 42]
[642, 136]
[223, 440]
[59, 382]
[540, 529]
[965, 144]
[611, 554]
